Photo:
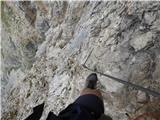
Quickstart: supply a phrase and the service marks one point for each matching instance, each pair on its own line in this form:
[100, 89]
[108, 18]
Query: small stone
[141, 96]
[61, 43]
[113, 48]
[149, 17]
[95, 31]
[130, 108]
[141, 41]
[106, 23]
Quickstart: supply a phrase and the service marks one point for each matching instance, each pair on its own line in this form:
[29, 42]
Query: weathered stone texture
[44, 45]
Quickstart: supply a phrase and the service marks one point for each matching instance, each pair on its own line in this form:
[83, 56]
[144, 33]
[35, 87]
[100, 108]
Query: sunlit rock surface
[44, 45]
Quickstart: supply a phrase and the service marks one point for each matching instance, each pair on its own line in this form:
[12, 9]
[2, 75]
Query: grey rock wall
[44, 45]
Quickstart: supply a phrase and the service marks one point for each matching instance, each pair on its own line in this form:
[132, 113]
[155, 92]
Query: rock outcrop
[44, 45]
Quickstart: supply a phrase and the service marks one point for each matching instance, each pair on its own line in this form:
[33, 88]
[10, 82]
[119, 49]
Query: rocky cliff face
[44, 45]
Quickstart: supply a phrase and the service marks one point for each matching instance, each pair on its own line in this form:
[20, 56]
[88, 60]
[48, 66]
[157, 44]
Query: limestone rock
[141, 97]
[141, 41]
[45, 43]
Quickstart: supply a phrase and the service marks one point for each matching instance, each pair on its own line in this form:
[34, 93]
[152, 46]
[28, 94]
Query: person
[88, 106]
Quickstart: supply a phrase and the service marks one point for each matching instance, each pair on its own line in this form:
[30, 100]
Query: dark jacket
[86, 107]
